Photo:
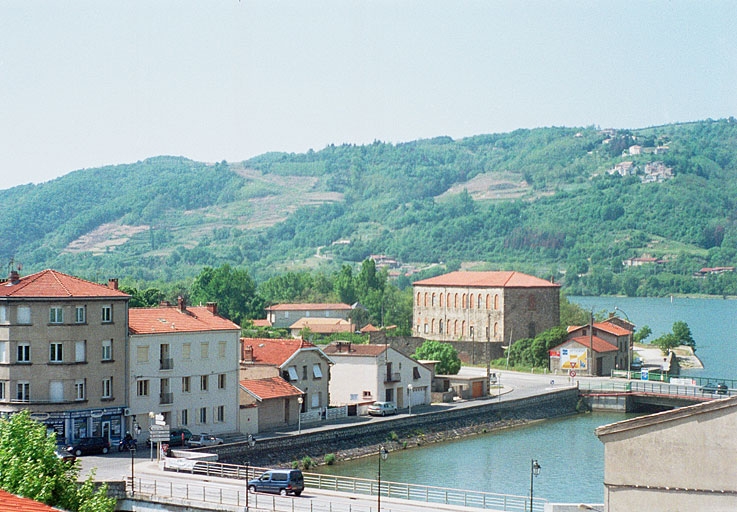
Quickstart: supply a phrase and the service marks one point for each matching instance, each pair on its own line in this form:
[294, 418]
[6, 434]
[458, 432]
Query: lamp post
[383, 454]
[629, 344]
[251, 444]
[534, 471]
[151, 416]
[300, 400]
[133, 476]
[409, 396]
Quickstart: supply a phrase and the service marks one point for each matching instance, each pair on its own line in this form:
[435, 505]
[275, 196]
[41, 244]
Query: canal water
[571, 456]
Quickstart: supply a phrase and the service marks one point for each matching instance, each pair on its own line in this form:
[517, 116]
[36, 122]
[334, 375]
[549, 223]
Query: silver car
[382, 408]
[203, 439]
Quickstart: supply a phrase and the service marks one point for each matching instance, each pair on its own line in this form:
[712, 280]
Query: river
[571, 456]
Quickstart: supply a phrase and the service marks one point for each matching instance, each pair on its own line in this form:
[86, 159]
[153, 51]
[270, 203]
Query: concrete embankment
[356, 440]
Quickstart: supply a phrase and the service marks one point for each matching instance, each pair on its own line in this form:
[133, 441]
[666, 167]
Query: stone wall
[352, 441]
[469, 352]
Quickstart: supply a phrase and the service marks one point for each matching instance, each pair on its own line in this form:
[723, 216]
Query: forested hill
[545, 201]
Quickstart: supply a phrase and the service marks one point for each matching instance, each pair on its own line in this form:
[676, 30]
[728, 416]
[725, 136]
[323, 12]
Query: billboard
[573, 358]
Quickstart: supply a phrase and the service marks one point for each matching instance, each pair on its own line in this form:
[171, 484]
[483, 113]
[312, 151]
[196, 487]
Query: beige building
[484, 306]
[285, 315]
[594, 349]
[363, 374]
[683, 459]
[184, 366]
[63, 353]
[300, 363]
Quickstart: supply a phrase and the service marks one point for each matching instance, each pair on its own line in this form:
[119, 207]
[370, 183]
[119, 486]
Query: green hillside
[543, 201]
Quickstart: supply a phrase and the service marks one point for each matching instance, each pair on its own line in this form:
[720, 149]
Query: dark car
[279, 481]
[89, 445]
[718, 389]
[63, 454]
[177, 437]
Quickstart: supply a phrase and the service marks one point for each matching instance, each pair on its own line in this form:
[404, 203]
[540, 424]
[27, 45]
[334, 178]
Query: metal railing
[651, 387]
[166, 398]
[351, 485]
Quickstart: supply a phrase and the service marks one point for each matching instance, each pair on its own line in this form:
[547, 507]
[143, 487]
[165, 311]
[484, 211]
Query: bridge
[643, 395]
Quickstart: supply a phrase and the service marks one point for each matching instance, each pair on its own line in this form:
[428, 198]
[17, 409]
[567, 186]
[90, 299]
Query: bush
[330, 459]
[307, 463]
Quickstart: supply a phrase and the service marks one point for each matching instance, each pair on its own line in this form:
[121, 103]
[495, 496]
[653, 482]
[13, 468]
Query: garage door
[418, 395]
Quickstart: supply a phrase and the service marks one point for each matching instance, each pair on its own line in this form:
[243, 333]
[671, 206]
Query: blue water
[571, 456]
[713, 324]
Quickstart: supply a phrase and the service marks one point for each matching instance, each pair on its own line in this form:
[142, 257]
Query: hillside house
[285, 315]
[184, 366]
[594, 349]
[484, 306]
[62, 353]
[363, 374]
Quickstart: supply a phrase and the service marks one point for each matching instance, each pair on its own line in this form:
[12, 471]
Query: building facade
[285, 315]
[63, 353]
[363, 374]
[484, 306]
[184, 366]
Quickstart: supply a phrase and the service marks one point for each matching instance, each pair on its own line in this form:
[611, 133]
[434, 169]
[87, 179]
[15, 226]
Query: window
[186, 388]
[79, 389]
[203, 415]
[187, 351]
[56, 391]
[107, 350]
[23, 391]
[367, 394]
[316, 371]
[24, 352]
[203, 382]
[221, 381]
[3, 314]
[3, 390]
[184, 417]
[221, 349]
[316, 400]
[304, 372]
[292, 370]
[219, 414]
[80, 351]
[24, 314]
[3, 351]
[204, 350]
[56, 315]
[80, 315]
[142, 388]
[415, 373]
[440, 327]
[142, 354]
[107, 314]
[56, 353]
[107, 388]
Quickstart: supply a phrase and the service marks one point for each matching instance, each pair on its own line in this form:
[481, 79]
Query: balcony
[393, 377]
[166, 398]
[166, 364]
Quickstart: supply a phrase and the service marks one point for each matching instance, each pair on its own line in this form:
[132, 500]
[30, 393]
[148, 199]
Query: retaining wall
[352, 441]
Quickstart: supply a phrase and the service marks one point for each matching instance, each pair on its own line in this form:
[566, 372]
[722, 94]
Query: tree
[29, 467]
[232, 289]
[641, 334]
[682, 332]
[450, 363]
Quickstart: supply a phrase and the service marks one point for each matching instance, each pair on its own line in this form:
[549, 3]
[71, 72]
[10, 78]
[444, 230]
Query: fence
[351, 485]
[654, 388]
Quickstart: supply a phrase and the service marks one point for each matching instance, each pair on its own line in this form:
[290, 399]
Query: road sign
[159, 428]
[572, 373]
[644, 374]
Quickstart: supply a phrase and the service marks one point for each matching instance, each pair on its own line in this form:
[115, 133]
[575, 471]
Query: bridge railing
[352, 485]
[651, 387]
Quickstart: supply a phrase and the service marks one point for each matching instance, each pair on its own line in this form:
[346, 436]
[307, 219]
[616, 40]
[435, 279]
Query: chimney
[112, 283]
[14, 277]
[180, 304]
[212, 307]
[246, 352]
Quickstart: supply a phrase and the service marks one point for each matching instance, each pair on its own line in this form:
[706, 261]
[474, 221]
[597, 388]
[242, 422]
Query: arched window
[432, 300]
[463, 301]
[532, 302]
[448, 300]
[441, 300]
[455, 301]
[432, 325]
[463, 328]
[440, 326]
[425, 299]
[496, 301]
[455, 328]
[478, 304]
[496, 329]
[418, 298]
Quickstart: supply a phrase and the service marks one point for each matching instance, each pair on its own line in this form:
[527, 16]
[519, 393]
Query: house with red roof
[285, 315]
[63, 353]
[277, 403]
[16, 503]
[594, 349]
[301, 364]
[363, 374]
[495, 306]
[184, 366]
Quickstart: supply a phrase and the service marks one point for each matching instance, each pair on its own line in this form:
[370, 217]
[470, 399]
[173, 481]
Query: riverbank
[653, 356]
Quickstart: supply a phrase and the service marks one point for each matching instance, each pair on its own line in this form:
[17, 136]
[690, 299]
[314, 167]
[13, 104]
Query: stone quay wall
[362, 439]
[469, 352]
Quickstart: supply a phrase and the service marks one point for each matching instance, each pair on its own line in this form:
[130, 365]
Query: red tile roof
[274, 352]
[598, 344]
[165, 319]
[273, 387]
[609, 327]
[12, 503]
[352, 349]
[308, 307]
[323, 325]
[261, 322]
[491, 279]
[53, 284]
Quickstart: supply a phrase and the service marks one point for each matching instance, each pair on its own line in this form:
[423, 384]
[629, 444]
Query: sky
[91, 83]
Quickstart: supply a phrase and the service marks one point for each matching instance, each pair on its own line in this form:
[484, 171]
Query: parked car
[719, 389]
[203, 439]
[177, 437]
[63, 454]
[382, 408]
[279, 481]
[89, 445]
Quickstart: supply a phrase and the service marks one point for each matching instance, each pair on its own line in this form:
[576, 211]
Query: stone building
[493, 306]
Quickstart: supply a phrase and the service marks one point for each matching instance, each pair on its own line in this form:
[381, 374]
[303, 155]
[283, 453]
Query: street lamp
[300, 400]
[534, 471]
[409, 395]
[383, 454]
[251, 444]
[132, 449]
